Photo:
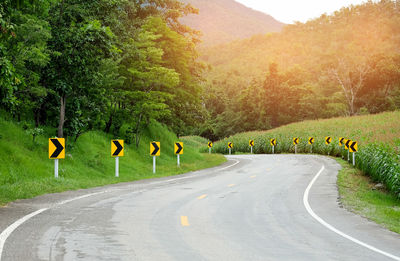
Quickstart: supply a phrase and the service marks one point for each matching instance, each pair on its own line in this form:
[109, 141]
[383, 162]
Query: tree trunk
[109, 123]
[137, 136]
[60, 132]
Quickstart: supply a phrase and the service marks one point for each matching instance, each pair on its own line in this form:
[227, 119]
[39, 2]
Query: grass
[378, 139]
[358, 194]
[26, 171]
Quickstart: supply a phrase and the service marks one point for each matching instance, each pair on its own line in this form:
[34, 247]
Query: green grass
[26, 171]
[378, 139]
[359, 195]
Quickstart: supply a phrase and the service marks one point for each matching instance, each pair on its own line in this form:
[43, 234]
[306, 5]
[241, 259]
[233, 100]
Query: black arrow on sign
[179, 148]
[347, 143]
[352, 146]
[252, 143]
[59, 148]
[119, 148]
[156, 148]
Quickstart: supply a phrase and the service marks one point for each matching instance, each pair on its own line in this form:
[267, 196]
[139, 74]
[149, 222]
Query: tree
[79, 45]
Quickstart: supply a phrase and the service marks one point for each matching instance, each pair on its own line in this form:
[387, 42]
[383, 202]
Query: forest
[111, 65]
[116, 65]
[343, 64]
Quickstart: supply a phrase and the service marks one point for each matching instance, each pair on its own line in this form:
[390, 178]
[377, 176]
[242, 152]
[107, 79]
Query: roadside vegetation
[378, 138]
[368, 199]
[26, 171]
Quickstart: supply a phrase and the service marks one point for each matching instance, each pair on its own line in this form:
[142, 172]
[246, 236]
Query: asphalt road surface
[262, 207]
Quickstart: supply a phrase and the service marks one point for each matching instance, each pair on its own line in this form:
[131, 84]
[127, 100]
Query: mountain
[222, 21]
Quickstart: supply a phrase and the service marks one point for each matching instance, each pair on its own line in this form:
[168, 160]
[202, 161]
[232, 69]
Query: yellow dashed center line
[184, 221]
[202, 196]
[231, 185]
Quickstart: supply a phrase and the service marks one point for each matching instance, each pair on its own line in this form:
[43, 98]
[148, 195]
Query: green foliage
[336, 65]
[377, 137]
[85, 65]
[26, 171]
[359, 194]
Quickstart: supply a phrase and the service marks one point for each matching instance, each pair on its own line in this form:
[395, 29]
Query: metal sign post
[273, 149]
[56, 168]
[154, 164]
[179, 162]
[230, 151]
[295, 149]
[311, 148]
[209, 150]
[116, 167]
[354, 158]
[251, 149]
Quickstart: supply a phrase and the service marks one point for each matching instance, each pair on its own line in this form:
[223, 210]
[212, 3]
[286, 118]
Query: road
[254, 207]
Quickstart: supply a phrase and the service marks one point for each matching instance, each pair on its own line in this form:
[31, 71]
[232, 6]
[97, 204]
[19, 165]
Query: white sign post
[154, 164]
[251, 149]
[273, 149]
[230, 151]
[354, 158]
[295, 149]
[117, 167]
[56, 168]
[179, 161]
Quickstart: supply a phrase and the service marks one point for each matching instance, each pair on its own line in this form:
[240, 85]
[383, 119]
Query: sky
[289, 11]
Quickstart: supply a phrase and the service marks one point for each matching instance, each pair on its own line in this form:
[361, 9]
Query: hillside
[26, 171]
[222, 21]
[337, 65]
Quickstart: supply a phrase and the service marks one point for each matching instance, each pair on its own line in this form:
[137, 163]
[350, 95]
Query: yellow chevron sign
[117, 148]
[57, 148]
[178, 148]
[328, 140]
[273, 142]
[353, 146]
[210, 144]
[311, 140]
[296, 141]
[251, 143]
[155, 148]
[230, 145]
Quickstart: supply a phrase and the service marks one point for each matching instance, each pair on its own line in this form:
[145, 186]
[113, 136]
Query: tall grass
[26, 171]
[378, 138]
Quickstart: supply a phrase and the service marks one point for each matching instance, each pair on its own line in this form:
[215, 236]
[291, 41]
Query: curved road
[262, 207]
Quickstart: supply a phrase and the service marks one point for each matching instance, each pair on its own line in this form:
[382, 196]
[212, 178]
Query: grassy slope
[358, 194]
[384, 128]
[26, 171]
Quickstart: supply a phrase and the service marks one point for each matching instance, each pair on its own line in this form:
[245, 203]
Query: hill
[26, 171]
[222, 21]
[337, 65]
[377, 137]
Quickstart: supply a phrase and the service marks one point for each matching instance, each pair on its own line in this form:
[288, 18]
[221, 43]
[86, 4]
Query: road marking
[202, 196]
[252, 177]
[7, 232]
[184, 221]
[231, 185]
[237, 162]
[330, 227]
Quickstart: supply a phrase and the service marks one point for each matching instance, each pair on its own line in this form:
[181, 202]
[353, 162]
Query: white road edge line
[330, 227]
[7, 232]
